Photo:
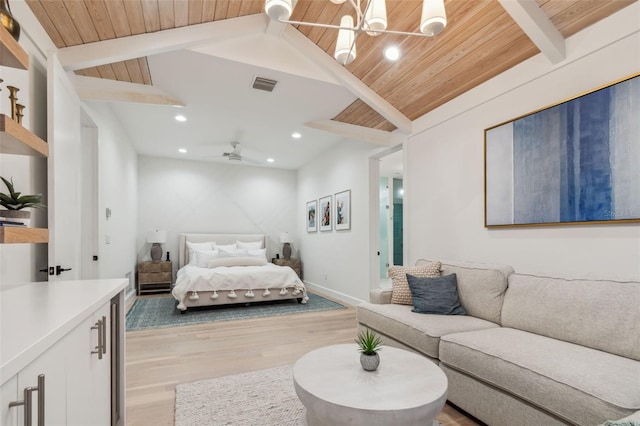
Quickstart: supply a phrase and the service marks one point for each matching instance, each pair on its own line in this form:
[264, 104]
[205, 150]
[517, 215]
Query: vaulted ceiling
[483, 38]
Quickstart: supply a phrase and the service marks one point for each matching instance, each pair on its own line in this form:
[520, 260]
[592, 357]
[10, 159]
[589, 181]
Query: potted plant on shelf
[369, 344]
[15, 203]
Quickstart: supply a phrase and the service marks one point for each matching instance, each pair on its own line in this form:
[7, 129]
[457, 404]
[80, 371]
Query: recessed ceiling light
[392, 53]
[180, 118]
[296, 135]
[182, 151]
[270, 160]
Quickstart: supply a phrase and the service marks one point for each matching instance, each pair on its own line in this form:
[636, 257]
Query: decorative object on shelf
[312, 223]
[371, 17]
[325, 213]
[369, 343]
[343, 210]
[156, 238]
[14, 203]
[19, 113]
[8, 21]
[285, 240]
[13, 91]
[572, 163]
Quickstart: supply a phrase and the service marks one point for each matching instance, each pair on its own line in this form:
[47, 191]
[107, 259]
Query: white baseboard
[332, 293]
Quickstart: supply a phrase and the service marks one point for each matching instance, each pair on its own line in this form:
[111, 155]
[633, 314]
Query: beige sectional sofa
[531, 350]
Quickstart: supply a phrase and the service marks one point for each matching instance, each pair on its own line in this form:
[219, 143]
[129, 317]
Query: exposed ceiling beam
[136, 46]
[100, 89]
[360, 133]
[351, 82]
[537, 26]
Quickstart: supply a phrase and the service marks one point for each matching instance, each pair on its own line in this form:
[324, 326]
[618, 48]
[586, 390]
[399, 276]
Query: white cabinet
[62, 332]
[51, 365]
[89, 371]
[77, 378]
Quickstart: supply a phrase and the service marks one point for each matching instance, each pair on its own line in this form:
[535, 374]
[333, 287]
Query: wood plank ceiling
[480, 41]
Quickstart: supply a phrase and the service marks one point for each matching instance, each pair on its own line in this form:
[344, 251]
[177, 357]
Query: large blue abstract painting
[576, 162]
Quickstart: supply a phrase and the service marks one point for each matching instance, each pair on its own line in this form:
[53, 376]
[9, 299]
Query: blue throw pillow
[435, 295]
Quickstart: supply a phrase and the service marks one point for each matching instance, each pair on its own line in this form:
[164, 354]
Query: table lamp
[156, 238]
[286, 248]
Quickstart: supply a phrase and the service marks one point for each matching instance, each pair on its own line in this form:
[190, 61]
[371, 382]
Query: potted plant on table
[15, 203]
[369, 344]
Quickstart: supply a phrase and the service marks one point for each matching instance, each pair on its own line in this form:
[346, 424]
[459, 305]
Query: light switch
[107, 239]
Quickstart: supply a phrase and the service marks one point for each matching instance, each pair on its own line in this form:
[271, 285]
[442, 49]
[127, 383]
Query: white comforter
[192, 278]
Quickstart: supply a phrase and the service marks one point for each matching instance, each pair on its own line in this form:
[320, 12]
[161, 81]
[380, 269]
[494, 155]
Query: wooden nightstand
[294, 264]
[154, 277]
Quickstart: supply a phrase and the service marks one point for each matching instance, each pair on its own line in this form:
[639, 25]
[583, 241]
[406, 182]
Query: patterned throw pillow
[400, 291]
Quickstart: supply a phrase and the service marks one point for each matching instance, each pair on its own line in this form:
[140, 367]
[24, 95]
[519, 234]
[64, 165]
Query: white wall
[445, 176]
[181, 196]
[337, 262]
[118, 190]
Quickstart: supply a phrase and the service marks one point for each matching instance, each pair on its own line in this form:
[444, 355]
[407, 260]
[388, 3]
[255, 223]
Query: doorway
[390, 217]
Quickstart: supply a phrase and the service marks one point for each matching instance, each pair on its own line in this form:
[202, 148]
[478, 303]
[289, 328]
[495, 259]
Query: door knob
[48, 270]
[60, 269]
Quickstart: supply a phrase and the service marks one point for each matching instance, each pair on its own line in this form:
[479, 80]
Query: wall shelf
[18, 234]
[11, 54]
[15, 139]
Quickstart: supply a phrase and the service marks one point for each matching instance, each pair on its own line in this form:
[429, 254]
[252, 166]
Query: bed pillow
[236, 261]
[232, 253]
[262, 254]
[400, 292]
[252, 245]
[226, 247]
[204, 256]
[435, 295]
[192, 247]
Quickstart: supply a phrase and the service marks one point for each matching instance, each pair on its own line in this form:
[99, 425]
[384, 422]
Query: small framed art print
[325, 213]
[343, 210]
[312, 222]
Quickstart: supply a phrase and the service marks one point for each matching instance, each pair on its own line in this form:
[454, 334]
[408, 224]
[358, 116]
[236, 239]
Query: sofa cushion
[421, 332]
[599, 314]
[437, 295]
[579, 384]
[400, 292]
[481, 286]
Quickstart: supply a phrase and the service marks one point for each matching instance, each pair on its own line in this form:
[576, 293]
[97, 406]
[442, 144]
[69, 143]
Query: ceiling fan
[236, 155]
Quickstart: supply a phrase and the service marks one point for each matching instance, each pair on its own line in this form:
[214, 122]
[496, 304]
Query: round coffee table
[406, 389]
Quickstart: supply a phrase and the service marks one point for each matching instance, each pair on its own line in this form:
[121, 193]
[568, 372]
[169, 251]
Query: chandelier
[372, 20]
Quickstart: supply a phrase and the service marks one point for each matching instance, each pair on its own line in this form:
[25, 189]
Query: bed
[211, 272]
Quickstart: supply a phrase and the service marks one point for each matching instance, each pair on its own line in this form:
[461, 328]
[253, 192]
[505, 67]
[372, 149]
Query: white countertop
[34, 316]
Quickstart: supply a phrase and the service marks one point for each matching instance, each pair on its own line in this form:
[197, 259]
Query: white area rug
[258, 398]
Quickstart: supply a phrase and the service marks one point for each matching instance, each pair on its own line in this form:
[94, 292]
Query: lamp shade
[157, 236]
[284, 237]
[434, 17]
[345, 46]
[376, 17]
[279, 9]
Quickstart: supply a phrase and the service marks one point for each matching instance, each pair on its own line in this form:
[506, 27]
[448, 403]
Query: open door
[64, 120]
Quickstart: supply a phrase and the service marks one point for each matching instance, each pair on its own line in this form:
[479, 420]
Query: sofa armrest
[380, 296]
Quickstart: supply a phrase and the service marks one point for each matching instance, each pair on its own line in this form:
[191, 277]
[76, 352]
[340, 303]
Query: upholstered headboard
[218, 239]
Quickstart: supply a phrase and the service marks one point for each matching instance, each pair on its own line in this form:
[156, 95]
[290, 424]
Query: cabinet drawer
[154, 277]
[154, 267]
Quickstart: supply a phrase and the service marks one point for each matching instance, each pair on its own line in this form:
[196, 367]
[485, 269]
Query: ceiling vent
[265, 84]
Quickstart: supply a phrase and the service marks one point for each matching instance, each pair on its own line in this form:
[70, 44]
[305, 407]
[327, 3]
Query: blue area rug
[161, 312]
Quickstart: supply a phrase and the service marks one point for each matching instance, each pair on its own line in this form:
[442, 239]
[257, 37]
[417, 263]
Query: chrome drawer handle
[27, 403]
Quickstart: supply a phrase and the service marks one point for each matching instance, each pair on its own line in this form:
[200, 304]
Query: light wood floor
[158, 360]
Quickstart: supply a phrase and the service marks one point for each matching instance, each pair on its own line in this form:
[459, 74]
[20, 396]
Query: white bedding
[243, 279]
